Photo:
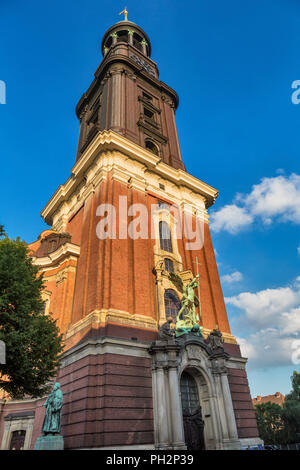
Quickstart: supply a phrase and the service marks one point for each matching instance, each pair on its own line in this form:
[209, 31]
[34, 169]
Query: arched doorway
[192, 414]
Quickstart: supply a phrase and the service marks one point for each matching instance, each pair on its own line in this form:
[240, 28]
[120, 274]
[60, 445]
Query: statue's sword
[198, 286]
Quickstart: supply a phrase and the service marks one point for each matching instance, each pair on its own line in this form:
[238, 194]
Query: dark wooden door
[17, 440]
[191, 410]
[194, 430]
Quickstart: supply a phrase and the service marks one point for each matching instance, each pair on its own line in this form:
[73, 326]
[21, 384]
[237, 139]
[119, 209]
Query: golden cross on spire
[125, 13]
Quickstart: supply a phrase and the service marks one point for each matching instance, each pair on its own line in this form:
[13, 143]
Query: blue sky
[232, 64]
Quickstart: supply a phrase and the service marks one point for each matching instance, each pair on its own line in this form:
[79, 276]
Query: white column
[6, 436]
[176, 410]
[221, 410]
[229, 408]
[161, 409]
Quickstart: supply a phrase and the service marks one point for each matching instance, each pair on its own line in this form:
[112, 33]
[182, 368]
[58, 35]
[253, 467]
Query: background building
[277, 398]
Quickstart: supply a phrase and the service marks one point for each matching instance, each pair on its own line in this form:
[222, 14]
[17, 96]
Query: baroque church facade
[126, 385]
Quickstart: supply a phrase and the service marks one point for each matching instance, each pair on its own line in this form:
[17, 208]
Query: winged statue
[186, 320]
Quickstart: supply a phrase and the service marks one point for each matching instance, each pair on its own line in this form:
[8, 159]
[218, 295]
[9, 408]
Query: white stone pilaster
[176, 410]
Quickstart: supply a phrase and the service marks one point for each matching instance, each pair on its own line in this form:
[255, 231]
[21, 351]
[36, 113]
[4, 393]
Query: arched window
[151, 146]
[172, 304]
[189, 394]
[165, 237]
[169, 266]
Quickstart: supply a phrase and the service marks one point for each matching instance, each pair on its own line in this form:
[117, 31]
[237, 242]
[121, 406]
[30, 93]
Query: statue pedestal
[50, 442]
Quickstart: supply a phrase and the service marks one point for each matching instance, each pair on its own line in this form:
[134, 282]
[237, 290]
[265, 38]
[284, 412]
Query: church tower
[127, 217]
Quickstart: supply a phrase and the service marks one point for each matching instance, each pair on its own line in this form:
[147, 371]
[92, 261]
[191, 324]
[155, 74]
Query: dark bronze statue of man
[53, 405]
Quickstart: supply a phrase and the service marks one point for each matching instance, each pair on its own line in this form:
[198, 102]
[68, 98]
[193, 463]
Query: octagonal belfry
[126, 32]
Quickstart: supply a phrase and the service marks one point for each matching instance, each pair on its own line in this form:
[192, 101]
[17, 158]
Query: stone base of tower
[107, 394]
[121, 393]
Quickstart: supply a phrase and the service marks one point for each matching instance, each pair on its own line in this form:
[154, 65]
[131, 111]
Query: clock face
[143, 64]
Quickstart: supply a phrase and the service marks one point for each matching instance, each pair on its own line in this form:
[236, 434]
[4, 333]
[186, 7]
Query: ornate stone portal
[208, 368]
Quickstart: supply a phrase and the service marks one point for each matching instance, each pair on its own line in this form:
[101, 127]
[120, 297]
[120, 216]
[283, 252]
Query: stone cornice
[54, 258]
[98, 154]
[104, 316]
[105, 345]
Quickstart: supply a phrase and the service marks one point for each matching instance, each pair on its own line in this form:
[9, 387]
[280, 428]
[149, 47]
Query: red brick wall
[74, 226]
[108, 267]
[242, 403]
[107, 401]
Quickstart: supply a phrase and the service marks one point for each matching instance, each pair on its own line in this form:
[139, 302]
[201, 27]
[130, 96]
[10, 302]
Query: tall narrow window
[169, 266]
[165, 237]
[189, 394]
[172, 304]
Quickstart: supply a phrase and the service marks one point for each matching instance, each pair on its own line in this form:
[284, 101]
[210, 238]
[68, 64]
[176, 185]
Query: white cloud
[276, 198]
[272, 317]
[230, 218]
[298, 250]
[263, 306]
[267, 348]
[233, 277]
[279, 196]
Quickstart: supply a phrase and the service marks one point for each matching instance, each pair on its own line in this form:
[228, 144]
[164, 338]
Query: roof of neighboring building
[277, 398]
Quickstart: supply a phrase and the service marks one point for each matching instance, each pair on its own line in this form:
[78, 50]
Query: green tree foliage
[269, 422]
[291, 411]
[278, 425]
[294, 395]
[32, 339]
